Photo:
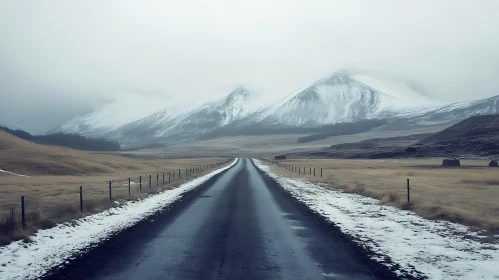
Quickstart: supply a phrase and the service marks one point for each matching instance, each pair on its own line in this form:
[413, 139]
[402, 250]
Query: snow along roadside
[430, 247]
[52, 247]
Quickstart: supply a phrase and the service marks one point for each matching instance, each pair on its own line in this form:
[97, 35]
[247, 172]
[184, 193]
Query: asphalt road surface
[239, 225]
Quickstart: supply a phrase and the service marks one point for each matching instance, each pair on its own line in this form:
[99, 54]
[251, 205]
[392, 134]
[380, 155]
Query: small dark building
[493, 163]
[280, 157]
[451, 163]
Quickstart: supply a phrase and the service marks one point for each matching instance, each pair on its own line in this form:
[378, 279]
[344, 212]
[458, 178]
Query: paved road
[239, 225]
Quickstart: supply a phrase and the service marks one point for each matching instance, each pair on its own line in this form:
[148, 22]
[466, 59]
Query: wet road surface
[238, 225]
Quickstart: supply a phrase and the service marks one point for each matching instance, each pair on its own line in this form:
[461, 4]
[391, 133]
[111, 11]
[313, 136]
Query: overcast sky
[58, 58]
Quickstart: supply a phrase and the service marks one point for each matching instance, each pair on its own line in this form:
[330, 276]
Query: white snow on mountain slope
[194, 119]
[122, 110]
[337, 98]
[270, 109]
[451, 112]
[166, 115]
[240, 103]
[343, 97]
[404, 96]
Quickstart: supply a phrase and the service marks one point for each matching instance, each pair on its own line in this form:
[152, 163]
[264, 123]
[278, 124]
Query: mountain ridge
[342, 97]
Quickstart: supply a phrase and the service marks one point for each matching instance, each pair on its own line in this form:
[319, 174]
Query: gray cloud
[58, 58]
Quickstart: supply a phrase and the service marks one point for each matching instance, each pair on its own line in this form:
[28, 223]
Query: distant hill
[73, 141]
[477, 136]
[27, 158]
[478, 128]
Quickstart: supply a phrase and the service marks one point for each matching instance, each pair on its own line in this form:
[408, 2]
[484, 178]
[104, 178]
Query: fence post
[157, 179]
[408, 192]
[163, 178]
[321, 172]
[81, 199]
[110, 192]
[23, 217]
[129, 185]
[140, 183]
[150, 181]
[179, 173]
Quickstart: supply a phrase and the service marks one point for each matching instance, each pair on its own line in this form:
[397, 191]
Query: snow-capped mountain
[345, 96]
[450, 112]
[121, 110]
[187, 121]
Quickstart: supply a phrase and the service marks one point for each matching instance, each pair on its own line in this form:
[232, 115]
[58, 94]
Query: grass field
[53, 176]
[468, 195]
[50, 199]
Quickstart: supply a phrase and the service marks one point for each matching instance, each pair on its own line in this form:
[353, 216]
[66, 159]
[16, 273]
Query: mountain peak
[240, 90]
[241, 93]
[337, 77]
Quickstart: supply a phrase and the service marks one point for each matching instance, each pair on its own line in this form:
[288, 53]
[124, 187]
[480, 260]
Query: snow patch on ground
[52, 247]
[12, 173]
[434, 248]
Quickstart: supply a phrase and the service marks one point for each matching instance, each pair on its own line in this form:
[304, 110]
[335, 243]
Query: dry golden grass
[468, 195]
[55, 174]
[54, 199]
[27, 158]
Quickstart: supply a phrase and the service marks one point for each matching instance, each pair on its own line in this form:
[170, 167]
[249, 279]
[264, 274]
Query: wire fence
[92, 199]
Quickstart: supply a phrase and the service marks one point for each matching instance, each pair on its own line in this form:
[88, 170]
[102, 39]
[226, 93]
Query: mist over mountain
[60, 60]
[343, 97]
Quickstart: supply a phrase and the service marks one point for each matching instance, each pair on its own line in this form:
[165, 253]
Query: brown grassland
[55, 175]
[468, 194]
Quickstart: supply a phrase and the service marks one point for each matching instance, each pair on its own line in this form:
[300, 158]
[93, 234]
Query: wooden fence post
[81, 199]
[150, 181]
[408, 192]
[129, 184]
[140, 183]
[321, 172]
[23, 216]
[110, 192]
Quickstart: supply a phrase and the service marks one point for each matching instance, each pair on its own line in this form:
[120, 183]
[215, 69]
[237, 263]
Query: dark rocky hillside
[475, 137]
